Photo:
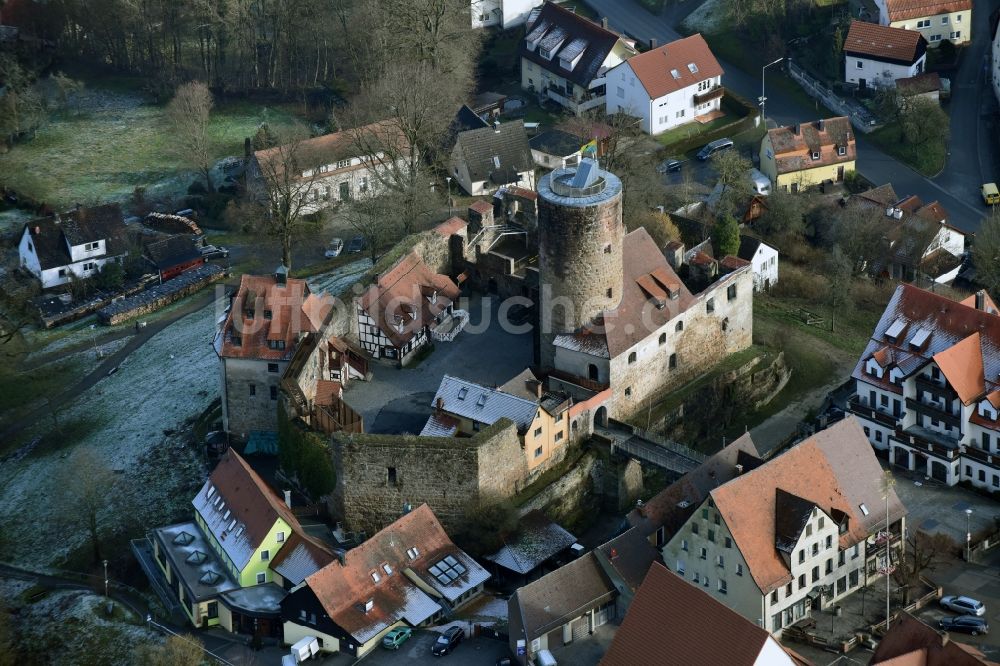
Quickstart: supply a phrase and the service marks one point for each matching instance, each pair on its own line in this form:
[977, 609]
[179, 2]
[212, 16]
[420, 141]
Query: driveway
[627, 16]
[399, 399]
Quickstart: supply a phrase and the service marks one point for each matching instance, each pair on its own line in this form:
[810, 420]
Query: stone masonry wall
[699, 346]
[246, 413]
[378, 474]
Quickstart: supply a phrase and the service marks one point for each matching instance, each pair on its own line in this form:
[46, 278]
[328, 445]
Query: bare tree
[839, 273]
[734, 175]
[372, 217]
[84, 486]
[923, 553]
[860, 234]
[179, 650]
[188, 113]
[986, 253]
[279, 190]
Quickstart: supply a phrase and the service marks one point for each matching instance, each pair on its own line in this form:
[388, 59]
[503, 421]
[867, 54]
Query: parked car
[334, 249]
[669, 165]
[991, 195]
[447, 641]
[396, 637]
[356, 245]
[714, 147]
[962, 604]
[968, 624]
[505, 661]
[213, 252]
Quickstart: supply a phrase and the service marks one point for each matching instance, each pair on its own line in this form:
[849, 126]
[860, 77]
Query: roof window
[447, 570]
[920, 337]
[412, 553]
[462, 392]
[815, 155]
[375, 576]
[864, 509]
[387, 569]
[183, 539]
[481, 401]
[196, 557]
[894, 331]
[369, 605]
[209, 578]
[674, 73]
[693, 68]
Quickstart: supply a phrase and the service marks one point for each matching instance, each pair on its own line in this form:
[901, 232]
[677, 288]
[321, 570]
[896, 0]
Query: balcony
[860, 407]
[935, 389]
[588, 101]
[935, 412]
[979, 455]
[714, 92]
[926, 441]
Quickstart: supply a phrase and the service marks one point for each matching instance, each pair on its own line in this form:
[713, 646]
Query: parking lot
[936, 508]
[477, 651]
[398, 400]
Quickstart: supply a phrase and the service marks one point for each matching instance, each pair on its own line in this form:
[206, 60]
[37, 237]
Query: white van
[545, 658]
[760, 183]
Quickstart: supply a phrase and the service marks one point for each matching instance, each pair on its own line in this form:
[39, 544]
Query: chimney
[980, 300]
[439, 405]
[797, 129]
[739, 469]
[652, 43]
[496, 126]
[288, 498]
[604, 22]
[539, 389]
[821, 123]
[37, 230]
[281, 275]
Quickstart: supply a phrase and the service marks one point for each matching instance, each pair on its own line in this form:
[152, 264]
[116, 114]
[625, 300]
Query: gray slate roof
[556, 142]
[483, 404]
[495, 153]
[537, 539]
[555, 24]
[561, 595]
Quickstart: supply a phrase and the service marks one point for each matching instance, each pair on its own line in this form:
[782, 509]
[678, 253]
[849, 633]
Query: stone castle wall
[378, 474]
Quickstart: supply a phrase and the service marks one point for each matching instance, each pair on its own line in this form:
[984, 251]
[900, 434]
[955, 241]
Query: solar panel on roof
[586, 174]
[460, 569]
[450, 561]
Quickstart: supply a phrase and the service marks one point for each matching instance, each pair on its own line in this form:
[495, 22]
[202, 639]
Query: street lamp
[448, 178]
[763, 97]
[105, 580]
[968, 535]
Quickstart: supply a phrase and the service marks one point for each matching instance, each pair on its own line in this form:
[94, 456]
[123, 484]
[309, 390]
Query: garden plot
[134, 419]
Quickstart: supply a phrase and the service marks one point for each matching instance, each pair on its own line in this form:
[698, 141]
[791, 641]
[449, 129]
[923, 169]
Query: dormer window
[841, 150]
[815, 155]
[276, 344]
[387, 569]
[369, 605]
[674, 73]
[267, 314]
[462, 392]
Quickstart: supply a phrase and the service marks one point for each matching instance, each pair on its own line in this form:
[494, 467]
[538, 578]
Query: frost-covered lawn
[710, 18]
[130, 418]
[115, 142]
[70, 627]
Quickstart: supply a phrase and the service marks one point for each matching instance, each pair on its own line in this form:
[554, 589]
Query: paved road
[952, 190]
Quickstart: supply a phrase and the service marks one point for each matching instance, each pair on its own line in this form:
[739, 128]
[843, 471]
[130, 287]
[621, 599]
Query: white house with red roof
[255, 343]
[928, 386]
[668, 86]
[877, 55]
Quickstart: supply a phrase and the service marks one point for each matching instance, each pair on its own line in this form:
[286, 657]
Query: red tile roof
[903, 10]
[451, 226]
[342, 589]
[326, 391]
[842, 469]
[655, 68]
[401, 296]
[911, 642]
[885, 43]
[666, 623]
[248, 496]
[793, 150]
[330, 148]
[989, 305]
[522, 192]
[293, 310]
[962, 366]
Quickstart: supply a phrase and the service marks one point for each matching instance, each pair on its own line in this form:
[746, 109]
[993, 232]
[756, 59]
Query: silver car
[962, 604]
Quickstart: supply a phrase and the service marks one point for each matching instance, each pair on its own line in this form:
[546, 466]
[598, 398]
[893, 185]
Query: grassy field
[928, 159]
[114, 143]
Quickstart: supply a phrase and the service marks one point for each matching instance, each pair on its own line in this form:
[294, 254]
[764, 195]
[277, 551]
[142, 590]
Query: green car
[396, 637]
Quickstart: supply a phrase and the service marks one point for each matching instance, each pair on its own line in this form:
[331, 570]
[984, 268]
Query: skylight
[447, 570]
[674, 73]
[919, 338]
[482, 400]
[462, 392]
[896, 329]
[693, 68]
[864, 509]
[209, 578]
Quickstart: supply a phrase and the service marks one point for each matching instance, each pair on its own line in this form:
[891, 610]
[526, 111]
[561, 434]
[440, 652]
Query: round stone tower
[580, 236]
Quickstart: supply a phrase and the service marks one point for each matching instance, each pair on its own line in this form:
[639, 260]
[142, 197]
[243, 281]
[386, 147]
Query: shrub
[801, 283]
[111, 277]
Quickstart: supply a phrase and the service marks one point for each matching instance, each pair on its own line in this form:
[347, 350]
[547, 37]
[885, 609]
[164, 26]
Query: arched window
[631, 357]
[663, 338]
[679, 327]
